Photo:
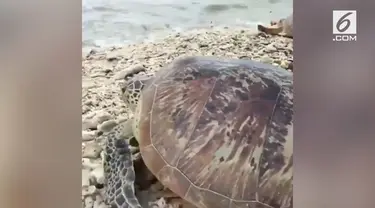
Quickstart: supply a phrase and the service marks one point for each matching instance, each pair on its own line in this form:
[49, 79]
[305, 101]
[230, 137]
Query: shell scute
[225, 127]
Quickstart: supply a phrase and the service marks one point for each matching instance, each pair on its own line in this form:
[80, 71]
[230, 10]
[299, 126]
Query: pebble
[85, 177]
[99, 202]
[88, 85]
[285, 64]
[89, 124]
[88, 190]
[107, 126]
[266, 59]
[91, 150]
[88, 164]
[88, 135]
[97, 175]
[270, 48]
[102, 116]
[112, 56]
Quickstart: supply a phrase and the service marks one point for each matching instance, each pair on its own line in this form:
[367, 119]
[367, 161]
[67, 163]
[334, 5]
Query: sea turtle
[215, 131]
[283, 27]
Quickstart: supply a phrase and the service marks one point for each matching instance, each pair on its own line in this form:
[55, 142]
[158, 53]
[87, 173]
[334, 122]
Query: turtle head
[132, 88]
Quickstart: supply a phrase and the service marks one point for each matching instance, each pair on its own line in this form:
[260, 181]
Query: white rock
[88, 190]
[270, 48]
[88, 164]
[102, 116]
[90, 115]
[91, 150]
[99, 202]
[98, 175]
[284, 64]
[85, 177]
[89, 124]
[88, 135]
[112, 56]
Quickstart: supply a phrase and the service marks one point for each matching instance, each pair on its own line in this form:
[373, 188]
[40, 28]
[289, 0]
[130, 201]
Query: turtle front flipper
[118, 168]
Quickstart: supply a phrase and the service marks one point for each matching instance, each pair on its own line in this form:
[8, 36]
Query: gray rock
[90, 115]
[106, 126]
[126, 72]
[285, 64]
[85, 109]
[88, 85]
[113, 56]
[270, 48]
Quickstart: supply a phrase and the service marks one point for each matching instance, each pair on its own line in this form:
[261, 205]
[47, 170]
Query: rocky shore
[102, 74]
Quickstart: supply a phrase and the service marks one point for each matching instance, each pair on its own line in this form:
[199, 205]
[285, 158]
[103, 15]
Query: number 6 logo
[344, 21]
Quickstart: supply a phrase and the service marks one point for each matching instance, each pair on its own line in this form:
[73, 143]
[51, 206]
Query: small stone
[159, 203]
[88, 190]
[266, 59]
[92, 52]
[284, 64]
[121, 75]
[88, 164]
[98, 74]
[85, 109]
[89, 124]
[128, 72]
[112, 56]
[121, 119]
[88, 85]
[85, 177]
[102, 116]
[90, 115]
[107, 126]
[91, 150]
[270, 48]
[98, 175]
[134, 150]
[99, 202]
[88, 135]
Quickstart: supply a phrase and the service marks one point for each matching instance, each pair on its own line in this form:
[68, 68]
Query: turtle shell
[218, 132]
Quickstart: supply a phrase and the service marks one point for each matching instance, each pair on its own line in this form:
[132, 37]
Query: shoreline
[103, 72]
[161, 36]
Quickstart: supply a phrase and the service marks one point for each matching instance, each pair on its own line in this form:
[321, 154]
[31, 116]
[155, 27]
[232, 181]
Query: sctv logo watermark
[344, 25]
